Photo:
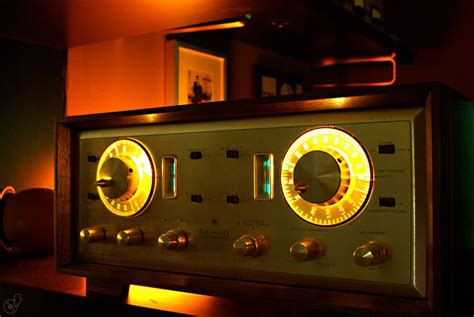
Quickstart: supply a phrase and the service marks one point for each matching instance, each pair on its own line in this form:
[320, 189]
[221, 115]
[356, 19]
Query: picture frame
[194, 74]
[270, 82]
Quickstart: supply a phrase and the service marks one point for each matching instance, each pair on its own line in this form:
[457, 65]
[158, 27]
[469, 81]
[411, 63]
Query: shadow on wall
[31, 99]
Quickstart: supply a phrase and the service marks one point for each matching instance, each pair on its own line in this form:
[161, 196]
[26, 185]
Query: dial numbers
[135, 156]
[354, 172]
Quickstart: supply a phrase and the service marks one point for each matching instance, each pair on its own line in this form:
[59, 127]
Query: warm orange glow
[211, 27]
[184, 303]
[45, 176]
[119, 75]
[99, 21]
[339, 102]
[77, 286]
[332, 61]
[200, 54]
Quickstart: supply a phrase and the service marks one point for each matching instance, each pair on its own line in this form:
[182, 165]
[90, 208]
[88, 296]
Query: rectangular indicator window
[232, 154]
[92, 158]
[196, 198]
[195, 155]
[263, 176]
[169, 174]
[387, 149]
[232, 199]
[387, 202]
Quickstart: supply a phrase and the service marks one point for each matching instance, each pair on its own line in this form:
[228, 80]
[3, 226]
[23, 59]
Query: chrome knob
[118, 178]
[317, 177]
[250, 245]
[307, 249]
[130, 237]
[175, 240]
[93, 234]
[370, 254]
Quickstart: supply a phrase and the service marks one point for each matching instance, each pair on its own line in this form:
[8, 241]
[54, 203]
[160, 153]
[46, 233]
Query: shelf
[310, 28]
[307, 31]
[43, 288]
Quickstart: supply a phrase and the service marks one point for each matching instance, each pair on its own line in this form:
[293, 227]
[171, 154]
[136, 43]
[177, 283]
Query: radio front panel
[321, 200]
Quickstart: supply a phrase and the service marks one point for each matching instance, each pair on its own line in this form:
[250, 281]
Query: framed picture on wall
[270, 82]
[194, 75]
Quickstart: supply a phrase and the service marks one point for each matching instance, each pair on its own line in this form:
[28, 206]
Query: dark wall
[31, 99]
[442, 35]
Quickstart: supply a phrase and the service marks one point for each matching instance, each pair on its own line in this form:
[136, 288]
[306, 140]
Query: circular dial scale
[327, 176]
[125, 177]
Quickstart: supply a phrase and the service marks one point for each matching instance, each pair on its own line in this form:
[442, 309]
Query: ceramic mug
[28, 220]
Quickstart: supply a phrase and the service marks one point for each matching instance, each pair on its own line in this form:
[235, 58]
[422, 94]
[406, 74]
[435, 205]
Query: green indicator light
[267, 189]
[174, 175]
[248, 16]
[266, 163]
[263, 176]
[267, 185]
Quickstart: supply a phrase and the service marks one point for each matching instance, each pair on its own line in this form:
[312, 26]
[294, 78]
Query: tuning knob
[317, 177]
[250, 245]
[93, 234]
[130, 237]
[118, 178]
[175, 240]
[307, 249]
[371, 253]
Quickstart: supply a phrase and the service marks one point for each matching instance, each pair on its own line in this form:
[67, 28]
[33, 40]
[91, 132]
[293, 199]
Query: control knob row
[175, 240]
[256, 245]
[249, 245]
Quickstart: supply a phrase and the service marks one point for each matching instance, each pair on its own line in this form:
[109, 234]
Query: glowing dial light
[125, 178]
[327, 176]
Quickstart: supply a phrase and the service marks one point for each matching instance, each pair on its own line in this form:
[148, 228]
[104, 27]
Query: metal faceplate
[394, 215]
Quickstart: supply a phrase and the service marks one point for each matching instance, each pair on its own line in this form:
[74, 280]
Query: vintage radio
[355, 201]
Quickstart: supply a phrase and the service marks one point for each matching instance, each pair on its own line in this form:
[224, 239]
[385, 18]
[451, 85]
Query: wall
[245, 57]
[116, 75]
[130, 73]
[31, 99]
[451, 61]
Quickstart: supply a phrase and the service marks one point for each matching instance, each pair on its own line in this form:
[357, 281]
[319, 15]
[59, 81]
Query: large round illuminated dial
[327, 176]
[125, 178]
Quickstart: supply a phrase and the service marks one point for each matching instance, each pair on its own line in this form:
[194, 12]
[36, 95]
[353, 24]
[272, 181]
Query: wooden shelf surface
[38, 281]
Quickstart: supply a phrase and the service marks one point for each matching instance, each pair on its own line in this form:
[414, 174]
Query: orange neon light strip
[354, 60]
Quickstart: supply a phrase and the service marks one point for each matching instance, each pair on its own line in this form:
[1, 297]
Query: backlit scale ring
[136, 203]
[356, 176]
